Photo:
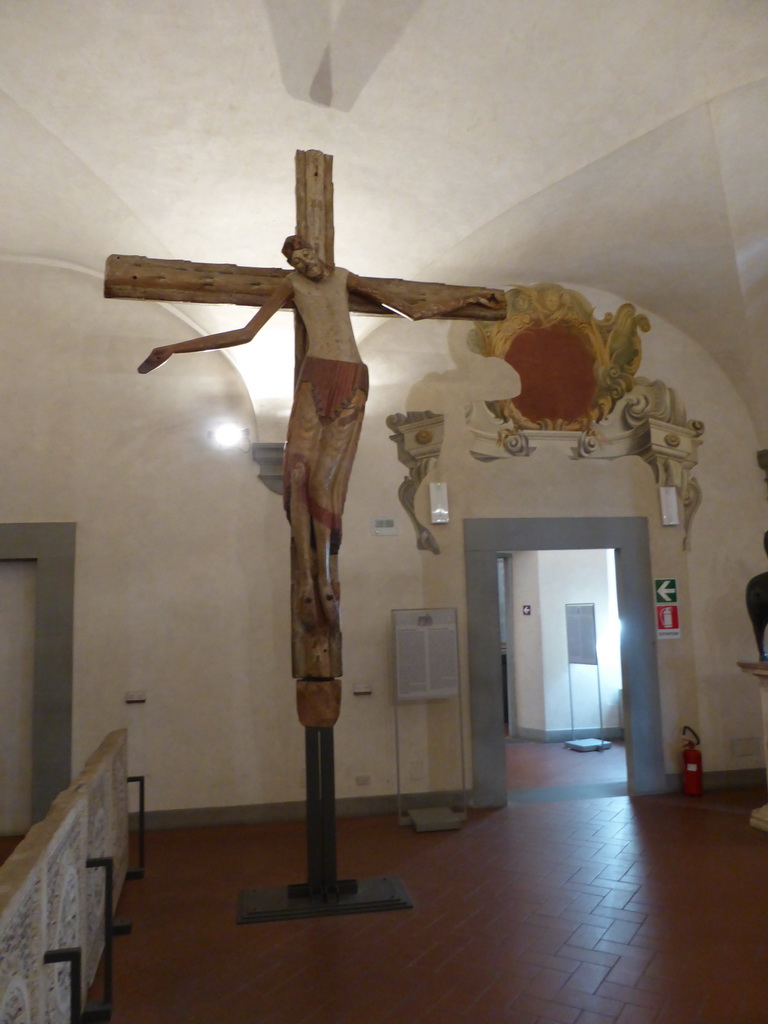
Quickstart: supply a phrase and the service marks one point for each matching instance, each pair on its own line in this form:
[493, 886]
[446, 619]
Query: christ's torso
[324, 308]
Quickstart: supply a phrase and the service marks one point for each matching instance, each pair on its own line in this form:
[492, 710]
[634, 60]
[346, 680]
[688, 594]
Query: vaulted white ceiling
[615, 144]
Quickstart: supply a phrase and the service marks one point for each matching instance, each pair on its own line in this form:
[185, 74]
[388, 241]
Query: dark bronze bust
[757, 605]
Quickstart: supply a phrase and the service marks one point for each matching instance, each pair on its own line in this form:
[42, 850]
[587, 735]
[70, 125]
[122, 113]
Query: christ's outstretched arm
[423, 310]
[226, 339]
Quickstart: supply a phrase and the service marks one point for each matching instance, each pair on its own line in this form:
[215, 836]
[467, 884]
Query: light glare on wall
[230, 435]
[609, 638]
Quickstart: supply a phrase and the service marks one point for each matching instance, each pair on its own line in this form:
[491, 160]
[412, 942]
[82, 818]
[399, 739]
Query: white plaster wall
[700, 682]
[180, 584]
[182, 553]
[726, 551]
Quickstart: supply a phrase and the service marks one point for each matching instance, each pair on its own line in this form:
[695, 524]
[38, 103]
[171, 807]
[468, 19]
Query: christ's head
[303, 258]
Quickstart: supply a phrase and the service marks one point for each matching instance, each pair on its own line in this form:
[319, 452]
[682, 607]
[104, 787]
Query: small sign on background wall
[384, 527]
[667, 612]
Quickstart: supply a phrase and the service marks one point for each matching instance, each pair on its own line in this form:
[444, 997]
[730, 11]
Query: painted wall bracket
[659, 431]
[419, 438]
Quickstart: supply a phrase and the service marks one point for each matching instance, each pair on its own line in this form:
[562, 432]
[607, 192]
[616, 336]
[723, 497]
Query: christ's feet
[306, 609]
[330, 608]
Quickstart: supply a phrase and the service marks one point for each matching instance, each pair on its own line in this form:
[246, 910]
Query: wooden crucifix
[330, 393]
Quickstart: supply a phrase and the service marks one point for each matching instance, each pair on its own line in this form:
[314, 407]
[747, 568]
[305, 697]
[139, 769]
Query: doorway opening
[17, 617]
[561, 674]
[484, 541]
[43, 716]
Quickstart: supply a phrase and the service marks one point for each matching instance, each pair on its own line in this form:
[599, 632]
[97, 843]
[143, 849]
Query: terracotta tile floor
[627, 910]
[587, 911]
[551, 765]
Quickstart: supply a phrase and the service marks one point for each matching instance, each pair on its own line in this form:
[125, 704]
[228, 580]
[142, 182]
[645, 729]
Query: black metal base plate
[94, 1012]
[255, 906]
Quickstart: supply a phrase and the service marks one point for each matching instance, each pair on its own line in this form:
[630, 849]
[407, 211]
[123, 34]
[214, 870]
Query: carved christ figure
[327, 414]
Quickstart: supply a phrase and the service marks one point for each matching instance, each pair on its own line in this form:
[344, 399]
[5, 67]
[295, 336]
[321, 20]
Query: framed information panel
[427, 669]
[581, 634]
[426, 653]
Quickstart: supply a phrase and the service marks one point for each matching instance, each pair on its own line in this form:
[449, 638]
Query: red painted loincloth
[323, 436]
[333, 382]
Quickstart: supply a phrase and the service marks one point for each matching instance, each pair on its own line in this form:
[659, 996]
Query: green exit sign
[666, 591]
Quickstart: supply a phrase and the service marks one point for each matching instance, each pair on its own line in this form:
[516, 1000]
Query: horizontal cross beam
[139, 277]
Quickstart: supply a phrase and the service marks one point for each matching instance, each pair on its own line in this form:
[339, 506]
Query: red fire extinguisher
[692, 770]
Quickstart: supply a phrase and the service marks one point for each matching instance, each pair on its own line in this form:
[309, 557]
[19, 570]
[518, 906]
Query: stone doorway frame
[484, 541]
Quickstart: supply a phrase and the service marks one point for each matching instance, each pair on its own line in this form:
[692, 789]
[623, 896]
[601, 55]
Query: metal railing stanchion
[103, 1010]
[138, 871]
[74, 957]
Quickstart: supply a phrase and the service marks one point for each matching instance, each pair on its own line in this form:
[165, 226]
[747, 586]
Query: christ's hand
[156, 358]
[494, 300]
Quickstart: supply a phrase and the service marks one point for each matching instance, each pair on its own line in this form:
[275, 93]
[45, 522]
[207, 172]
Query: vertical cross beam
[314, 219]
[316, 653]
[314, 201]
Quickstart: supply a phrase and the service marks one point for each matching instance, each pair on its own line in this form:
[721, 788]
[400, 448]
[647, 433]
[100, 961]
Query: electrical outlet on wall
[747, 746]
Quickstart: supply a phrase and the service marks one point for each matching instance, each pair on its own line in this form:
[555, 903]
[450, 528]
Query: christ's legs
[301, 529]
[304, 435]
[323, 434]
[328, 483]
[329, 602]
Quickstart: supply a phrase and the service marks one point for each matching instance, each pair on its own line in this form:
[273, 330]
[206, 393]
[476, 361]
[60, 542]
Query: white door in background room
[17, 630]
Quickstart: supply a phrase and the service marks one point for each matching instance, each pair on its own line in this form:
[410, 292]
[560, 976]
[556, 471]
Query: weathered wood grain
[314, 202]
[140, 277]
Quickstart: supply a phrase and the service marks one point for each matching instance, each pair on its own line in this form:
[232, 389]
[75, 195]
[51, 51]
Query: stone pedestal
[759, 669]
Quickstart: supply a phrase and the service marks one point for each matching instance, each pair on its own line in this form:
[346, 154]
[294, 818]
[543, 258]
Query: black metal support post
[322, 894]
[322, 882]
[138, 872]
[74, 957]
[103, 1010]
[321, 812]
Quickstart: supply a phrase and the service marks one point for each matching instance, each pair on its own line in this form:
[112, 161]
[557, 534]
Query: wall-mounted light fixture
[438, 502]
[670, 508]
